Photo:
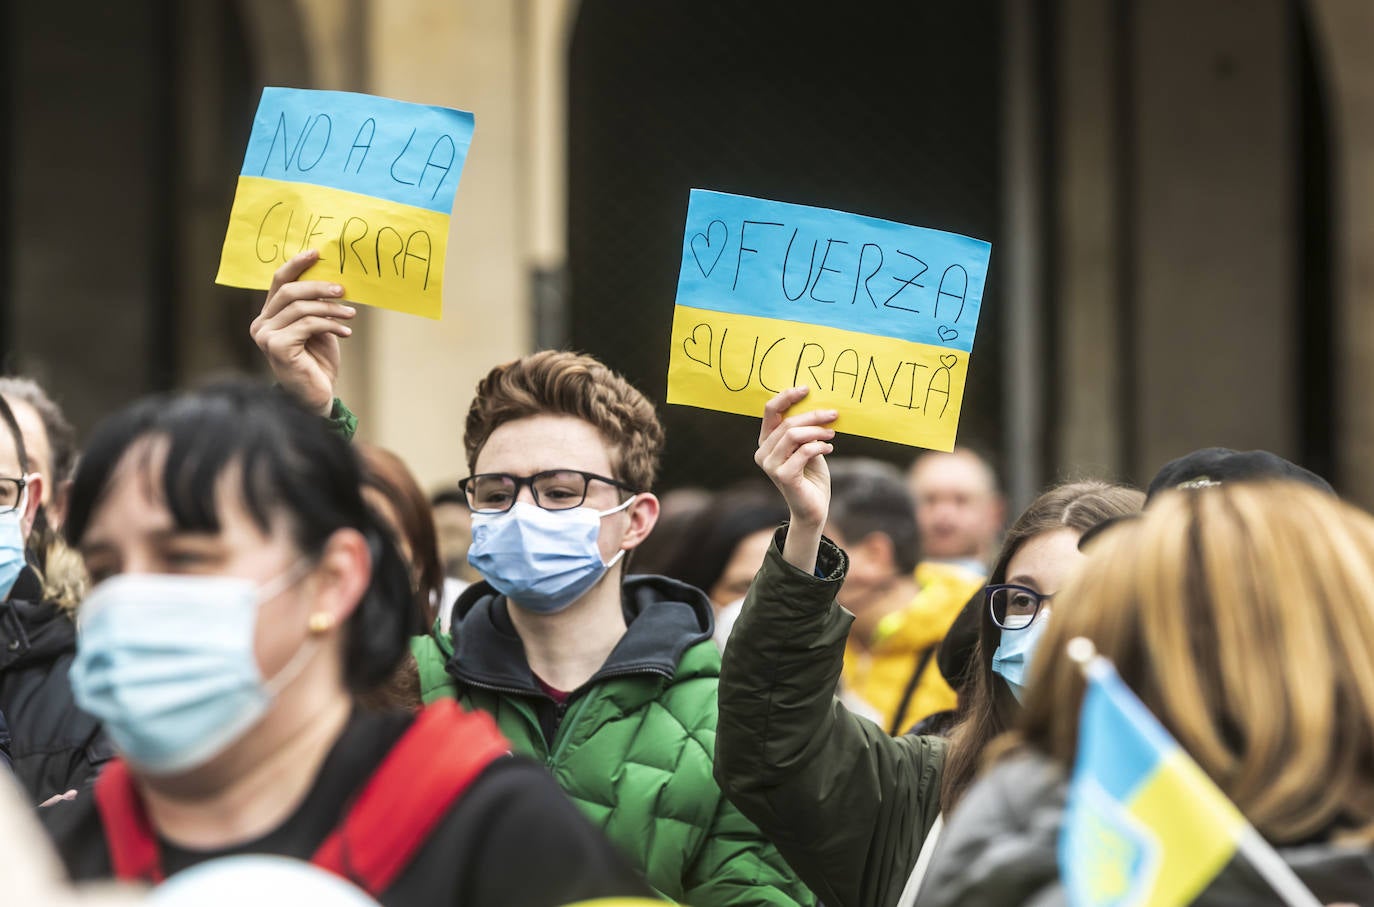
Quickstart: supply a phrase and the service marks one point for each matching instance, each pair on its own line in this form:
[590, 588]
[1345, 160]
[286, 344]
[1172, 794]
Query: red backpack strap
[128, 833]
[425, 773]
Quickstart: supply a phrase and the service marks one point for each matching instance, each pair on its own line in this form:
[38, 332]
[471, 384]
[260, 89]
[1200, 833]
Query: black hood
[663, 619]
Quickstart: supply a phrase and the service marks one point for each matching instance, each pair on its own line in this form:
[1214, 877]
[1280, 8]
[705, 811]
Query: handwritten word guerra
[743, 359]
[830, 270]
[372, 248]
[303, 146]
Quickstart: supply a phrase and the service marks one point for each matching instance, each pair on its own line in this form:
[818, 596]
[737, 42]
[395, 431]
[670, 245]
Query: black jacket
[55, 746]
[511, 840]
[5, 743]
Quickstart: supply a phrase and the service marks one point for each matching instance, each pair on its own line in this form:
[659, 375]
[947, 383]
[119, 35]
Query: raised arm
[846, 805]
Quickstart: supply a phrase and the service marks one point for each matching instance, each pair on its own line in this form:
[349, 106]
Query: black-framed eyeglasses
[11, 493]
[1014, 607]
[554, 489]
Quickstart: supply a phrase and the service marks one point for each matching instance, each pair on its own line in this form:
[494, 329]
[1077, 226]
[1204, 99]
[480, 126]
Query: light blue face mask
[1012, 658]
[542, 560]
[167, 663]
[12, 560]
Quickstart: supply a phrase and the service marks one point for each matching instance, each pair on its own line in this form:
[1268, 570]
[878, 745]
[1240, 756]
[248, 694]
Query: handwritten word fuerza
[832, 271]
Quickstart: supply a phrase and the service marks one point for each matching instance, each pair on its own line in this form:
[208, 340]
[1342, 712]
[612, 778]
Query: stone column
[467, 54]
[1344, 30]
[1214, 255]
[1087, 265]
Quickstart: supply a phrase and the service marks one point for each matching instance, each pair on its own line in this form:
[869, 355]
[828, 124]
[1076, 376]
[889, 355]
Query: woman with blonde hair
[1242, 615]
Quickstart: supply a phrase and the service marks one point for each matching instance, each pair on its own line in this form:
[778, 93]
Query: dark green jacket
[999, 848]
[342, 420]
[848, 806]
[634, 746]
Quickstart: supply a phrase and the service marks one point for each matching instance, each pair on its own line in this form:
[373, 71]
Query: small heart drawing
[692, 341]
[718, 246]
[949, 361]
[948, 333]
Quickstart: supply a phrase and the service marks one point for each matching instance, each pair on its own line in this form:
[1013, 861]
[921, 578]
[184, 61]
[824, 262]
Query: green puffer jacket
[633, 746]
[847, 805]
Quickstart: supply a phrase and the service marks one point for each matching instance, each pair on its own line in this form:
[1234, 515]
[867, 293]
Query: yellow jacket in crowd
[884, 676]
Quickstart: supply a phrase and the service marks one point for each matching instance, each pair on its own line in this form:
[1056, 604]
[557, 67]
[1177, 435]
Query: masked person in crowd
[50, 439]
[245, 597]
[51, 444]
[609, 681]
[1242, 615]
[901, 608]
[721, 549]
[849, 806]
[54, 745]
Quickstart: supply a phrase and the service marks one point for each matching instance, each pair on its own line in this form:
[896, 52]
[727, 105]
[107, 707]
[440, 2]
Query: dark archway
[124, 128]
[1315, 311]
[888, 109]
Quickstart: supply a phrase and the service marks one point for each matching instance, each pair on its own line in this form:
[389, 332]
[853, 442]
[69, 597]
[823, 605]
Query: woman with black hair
[245, 596]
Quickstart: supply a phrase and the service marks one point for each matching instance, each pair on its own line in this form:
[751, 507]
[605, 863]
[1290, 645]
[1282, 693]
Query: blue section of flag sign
[750, 256]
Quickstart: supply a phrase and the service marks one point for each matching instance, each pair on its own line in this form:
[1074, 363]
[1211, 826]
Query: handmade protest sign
[877, 318]
[367, 181]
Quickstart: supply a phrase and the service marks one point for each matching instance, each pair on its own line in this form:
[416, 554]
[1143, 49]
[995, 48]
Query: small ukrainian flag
[1145, 826]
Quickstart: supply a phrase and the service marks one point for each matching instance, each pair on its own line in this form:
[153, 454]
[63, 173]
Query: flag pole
[1259, 852]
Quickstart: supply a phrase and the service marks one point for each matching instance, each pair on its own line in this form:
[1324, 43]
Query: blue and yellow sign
[367, 181]
[877, 318]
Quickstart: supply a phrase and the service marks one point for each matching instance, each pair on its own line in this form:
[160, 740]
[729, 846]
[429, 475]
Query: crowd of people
[231, 632]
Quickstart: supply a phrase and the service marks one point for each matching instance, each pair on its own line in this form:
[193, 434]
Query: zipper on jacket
[562, 717]
[513, 691]
[518, 695]
[568, 714]
[630, 670]
[561, 734]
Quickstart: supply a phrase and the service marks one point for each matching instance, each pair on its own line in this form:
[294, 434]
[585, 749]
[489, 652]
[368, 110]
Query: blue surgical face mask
[1013, 657]
[543, 560]
[167, 664]
[12, 560]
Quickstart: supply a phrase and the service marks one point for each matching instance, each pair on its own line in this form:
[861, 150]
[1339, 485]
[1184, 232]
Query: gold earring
[321, 622]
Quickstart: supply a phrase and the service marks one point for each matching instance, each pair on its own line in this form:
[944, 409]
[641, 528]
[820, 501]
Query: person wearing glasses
[608, 680]
[55, 747]
[853, 809]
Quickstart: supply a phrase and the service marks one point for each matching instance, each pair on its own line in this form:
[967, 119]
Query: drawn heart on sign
[706, 238]
[949, 361]
[689, 343]
[948, 333]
